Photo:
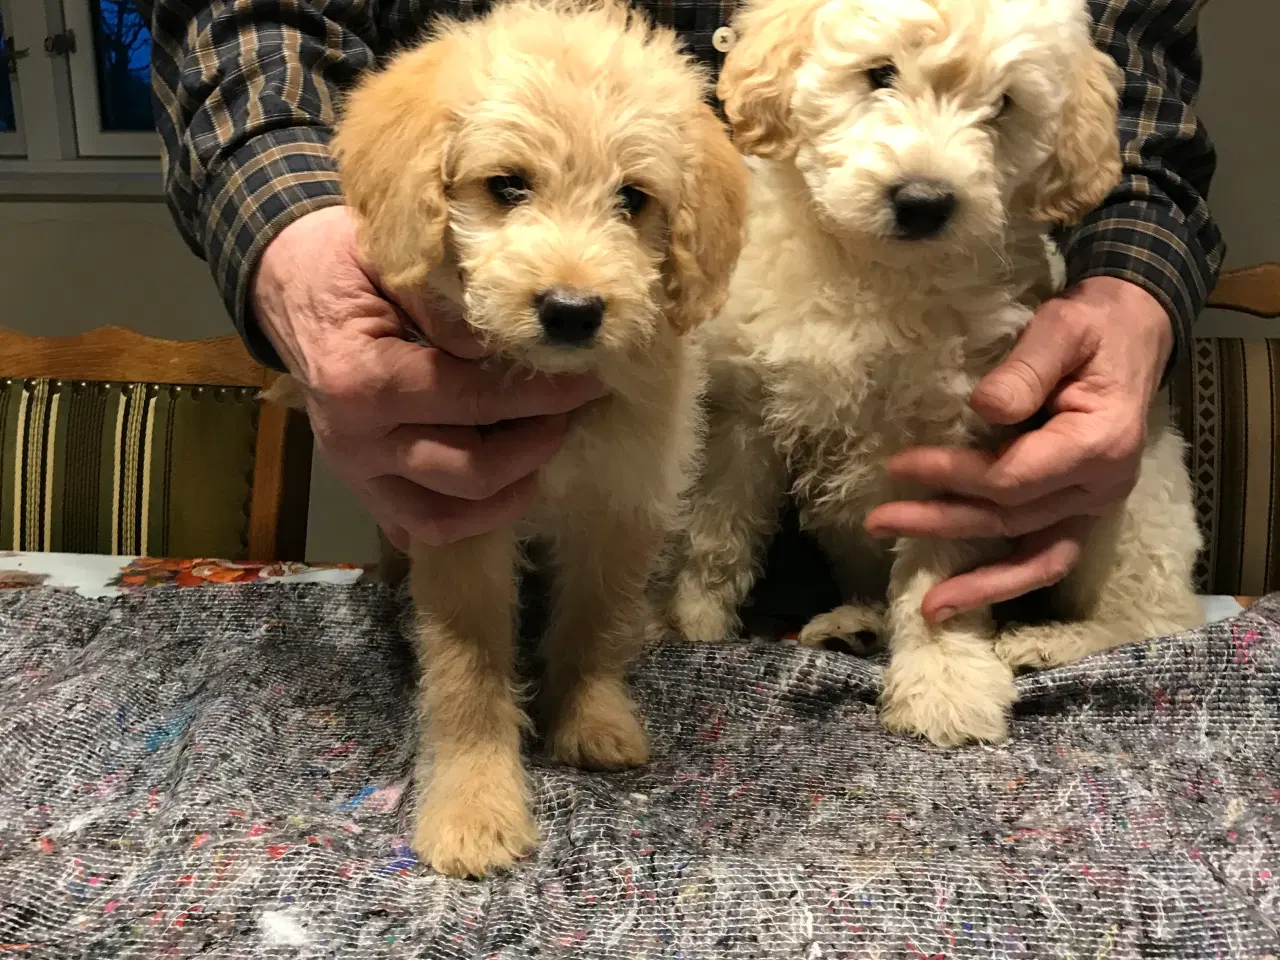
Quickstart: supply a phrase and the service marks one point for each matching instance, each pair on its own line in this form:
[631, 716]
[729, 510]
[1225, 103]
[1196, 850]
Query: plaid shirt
[245, 93]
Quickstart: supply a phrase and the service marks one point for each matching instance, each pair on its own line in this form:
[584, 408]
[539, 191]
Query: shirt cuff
[1148, 246]
[261, 188]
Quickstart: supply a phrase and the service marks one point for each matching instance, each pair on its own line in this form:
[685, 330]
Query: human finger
[1041, 560]
[397, 536]
[378, 509]
[435, 519]
[394, 534]
[977, 474]
[468, 463]
[408, 383]
[975, 519]
[1047, 351]
[1072, 448]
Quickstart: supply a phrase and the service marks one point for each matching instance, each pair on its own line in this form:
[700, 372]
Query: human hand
[397, 420]
[1095, 356]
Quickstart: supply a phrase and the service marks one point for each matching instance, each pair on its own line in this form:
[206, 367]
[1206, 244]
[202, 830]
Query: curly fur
[580, 99]
[843, 342]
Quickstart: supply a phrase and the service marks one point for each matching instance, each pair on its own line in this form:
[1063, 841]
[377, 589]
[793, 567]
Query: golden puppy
[553, 169]
[914, 156]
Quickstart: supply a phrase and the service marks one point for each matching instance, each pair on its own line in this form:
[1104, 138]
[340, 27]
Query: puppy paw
[699, 616]
[948, 697]
[596, 728]
[1028, 648]
[474, 832]
[656, 630]
[853, 628]
[1036, 646]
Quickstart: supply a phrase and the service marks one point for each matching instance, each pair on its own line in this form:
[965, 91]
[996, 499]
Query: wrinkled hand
[397, 420]
[1095, 356]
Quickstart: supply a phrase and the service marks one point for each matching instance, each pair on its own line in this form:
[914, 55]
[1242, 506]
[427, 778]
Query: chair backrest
[115, 442]
[1254, 290]
[1227, 395]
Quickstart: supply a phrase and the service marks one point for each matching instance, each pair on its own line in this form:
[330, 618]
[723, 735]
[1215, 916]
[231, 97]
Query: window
[75, 98]
[10, 132]
[111, 78]
[8, 121]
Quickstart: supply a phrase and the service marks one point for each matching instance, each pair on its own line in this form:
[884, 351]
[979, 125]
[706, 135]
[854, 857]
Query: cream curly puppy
[915, 155]
[551, 170]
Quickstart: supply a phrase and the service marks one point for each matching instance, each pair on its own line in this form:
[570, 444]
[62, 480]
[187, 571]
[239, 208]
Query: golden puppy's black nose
[921, 208]
[570, 317]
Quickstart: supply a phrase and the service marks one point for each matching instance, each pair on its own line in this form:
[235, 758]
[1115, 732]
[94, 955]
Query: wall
[1240, 105]
[69, 266]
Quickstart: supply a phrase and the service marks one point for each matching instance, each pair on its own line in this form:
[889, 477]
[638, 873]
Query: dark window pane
[7, 119]
[122, 48]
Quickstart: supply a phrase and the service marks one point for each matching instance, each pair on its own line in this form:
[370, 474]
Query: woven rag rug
[224, 772]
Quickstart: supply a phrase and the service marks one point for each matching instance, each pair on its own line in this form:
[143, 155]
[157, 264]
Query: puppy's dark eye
[882, 76]
[510, 189]
[1006, 104]
[632, 199]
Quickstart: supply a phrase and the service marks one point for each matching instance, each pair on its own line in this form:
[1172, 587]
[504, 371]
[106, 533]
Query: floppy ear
[756, 79]
[708, 226]
[391, 145]
[1085, 163]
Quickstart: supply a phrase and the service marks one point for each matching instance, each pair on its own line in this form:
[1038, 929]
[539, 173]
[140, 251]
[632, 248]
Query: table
[226, 769]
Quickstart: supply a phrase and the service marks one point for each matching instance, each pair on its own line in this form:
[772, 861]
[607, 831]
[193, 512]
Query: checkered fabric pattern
[245, 94]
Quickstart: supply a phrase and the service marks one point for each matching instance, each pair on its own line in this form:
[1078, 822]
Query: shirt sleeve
[1155, 229]
[244, 94]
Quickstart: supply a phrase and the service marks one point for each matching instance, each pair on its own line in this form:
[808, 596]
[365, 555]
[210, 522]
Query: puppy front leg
[944, 681]
[732, 512]
[597, 627]
[473, 814]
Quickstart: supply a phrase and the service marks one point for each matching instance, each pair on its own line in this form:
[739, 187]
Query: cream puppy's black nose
[570, 317]
[921, 208]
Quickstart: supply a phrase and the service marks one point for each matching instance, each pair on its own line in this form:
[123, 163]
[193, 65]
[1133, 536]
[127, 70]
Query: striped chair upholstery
[126, 468]
[1228, 401]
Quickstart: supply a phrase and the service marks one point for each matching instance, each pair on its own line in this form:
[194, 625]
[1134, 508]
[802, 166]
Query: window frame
[91, 139]
[54, 163]
[13, 143]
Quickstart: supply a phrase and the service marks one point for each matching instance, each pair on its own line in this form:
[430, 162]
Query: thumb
[1048, 350]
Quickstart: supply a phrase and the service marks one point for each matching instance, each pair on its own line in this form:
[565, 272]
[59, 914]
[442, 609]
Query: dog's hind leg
[472, 813]
[598, 618]
[944, 681]
[1053, 644]
[733, 510]
[1116, 618]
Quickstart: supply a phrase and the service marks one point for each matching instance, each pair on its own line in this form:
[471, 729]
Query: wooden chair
[1227, 394]
[1254, 290]
[115, 442]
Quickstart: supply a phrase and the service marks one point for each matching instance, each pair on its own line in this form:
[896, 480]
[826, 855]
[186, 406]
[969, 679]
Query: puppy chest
[876, 408]
[613, 462]
[837, 429]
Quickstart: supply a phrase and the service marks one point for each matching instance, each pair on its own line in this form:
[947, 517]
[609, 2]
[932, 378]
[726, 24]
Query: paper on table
[1219, 608]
